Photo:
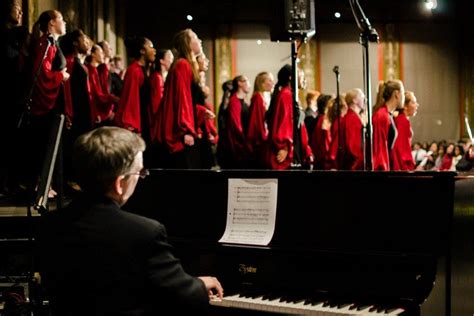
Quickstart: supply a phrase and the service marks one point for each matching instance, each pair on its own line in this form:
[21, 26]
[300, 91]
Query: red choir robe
[201, 119]
[73, 101]
[48, 82]
[211, 125]
[381, 126]
[102, 101]
[280, 132]
[104, 75]
[351, 128]
[332, 159]
[157, 87]
[320, 143]
[205, 124]
[235, 134]
[306, 148]
[175, 116]
[128, 111]
[68, 108]
[257, 132]
[400, 155]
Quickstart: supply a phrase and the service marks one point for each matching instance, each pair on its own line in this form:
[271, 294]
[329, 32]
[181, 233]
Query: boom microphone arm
[362, 22]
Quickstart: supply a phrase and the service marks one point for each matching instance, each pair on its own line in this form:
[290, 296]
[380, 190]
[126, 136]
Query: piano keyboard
[298, 308]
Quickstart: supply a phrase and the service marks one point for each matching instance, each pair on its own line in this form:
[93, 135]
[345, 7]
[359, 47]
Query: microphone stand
[338, 112]
[297, 30]
[296, 111]
[41, 202]
[368, 34]
[297, 148]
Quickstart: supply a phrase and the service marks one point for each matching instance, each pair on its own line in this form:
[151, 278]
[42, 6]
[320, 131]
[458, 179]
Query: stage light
[189, 17]
[431, 4]
[337, 15]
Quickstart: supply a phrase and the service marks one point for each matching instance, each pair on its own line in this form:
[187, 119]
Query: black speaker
[291, 19]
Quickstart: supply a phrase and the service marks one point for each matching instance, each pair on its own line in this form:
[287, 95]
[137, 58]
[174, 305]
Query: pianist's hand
[213, 286]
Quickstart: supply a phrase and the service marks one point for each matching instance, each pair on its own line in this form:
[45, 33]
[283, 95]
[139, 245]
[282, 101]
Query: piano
[345, 243]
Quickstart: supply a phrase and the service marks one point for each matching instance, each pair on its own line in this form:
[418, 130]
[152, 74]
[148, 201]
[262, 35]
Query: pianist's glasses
[142, 173]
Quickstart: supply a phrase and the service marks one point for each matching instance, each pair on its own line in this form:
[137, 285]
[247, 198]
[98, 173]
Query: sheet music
[251, 211]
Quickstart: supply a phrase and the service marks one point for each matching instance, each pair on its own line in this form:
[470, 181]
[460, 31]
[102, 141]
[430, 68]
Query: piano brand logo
[244, 269]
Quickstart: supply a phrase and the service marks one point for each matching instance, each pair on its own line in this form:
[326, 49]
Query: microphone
[336, 69]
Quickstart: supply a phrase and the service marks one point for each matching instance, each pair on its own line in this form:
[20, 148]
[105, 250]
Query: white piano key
[295, 308]
[396, 312]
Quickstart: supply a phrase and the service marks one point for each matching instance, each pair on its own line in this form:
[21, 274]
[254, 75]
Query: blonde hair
[352, 94]
[408, 97]
[312, 95]
[385, 91]
[332, 111]
[259, 80]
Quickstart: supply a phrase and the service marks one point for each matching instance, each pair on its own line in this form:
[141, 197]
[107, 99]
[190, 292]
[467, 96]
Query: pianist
[96, 259]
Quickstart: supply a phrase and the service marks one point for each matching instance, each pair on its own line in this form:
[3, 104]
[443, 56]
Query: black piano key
[337, 302]
[230, 293]
[377, 308]
[316, 302]
[344, 305]
[295, 299]
[288, 298]
[334, 303]
[381, 309]
[266, 296]
[319, 298]
[364, 306]
[273, 296]
[250, 293]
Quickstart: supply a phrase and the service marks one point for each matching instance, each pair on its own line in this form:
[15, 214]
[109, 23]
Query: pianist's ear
[118, 185]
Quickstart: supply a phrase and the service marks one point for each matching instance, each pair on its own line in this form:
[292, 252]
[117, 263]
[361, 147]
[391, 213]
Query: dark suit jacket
[96, 259]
